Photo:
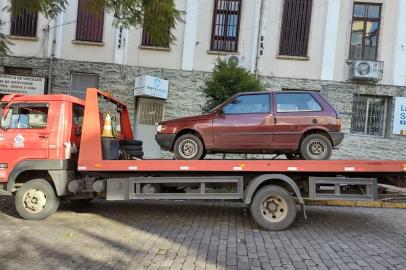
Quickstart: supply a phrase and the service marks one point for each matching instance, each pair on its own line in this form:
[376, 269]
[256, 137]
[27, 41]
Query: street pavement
[199, 235]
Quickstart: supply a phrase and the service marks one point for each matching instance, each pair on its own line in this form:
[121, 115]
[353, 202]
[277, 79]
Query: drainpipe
[255, 34]
[51, 58]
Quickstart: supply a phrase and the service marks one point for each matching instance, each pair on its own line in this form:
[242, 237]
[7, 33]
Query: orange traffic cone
[107, 129]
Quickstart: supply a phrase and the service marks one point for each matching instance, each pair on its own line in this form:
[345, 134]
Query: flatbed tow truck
[62, 155]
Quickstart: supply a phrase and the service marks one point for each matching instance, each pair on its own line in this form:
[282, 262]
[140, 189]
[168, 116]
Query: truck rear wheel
[36, 200]
[273, 208]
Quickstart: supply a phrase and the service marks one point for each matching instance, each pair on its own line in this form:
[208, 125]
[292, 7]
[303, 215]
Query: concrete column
[58, 34]
[255, 35]
[5, 17]
[330, 39]
[399, 68]
[189, 43]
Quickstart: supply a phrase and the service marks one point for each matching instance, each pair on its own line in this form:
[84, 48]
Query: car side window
[243, 104]
[26, 116]
[296, 102]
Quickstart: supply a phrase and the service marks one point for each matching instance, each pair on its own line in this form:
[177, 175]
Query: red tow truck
[52, 149]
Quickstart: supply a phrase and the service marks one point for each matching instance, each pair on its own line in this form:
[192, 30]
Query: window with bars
[148, 41]
[24, 24]
[226, 25]
[369, 115]
[365, 31]
[89, 25]
[295, 29]
[79, 82]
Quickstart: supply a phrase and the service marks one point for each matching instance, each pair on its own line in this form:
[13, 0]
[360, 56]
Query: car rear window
[248, 104]
[296, 102]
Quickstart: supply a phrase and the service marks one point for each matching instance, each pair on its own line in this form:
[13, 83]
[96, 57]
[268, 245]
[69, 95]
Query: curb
[371, 204]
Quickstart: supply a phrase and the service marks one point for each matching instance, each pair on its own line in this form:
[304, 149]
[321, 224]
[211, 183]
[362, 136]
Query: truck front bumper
[337, 138]
[165, 141]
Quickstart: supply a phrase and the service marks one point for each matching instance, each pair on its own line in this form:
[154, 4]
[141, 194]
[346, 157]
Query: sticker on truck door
[19, 141]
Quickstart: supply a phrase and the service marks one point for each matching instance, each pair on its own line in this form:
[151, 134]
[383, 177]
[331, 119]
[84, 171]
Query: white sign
[13, 84]
[151, 86]
[399, 119]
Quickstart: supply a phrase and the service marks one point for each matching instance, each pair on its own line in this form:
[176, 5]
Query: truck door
[26, 131]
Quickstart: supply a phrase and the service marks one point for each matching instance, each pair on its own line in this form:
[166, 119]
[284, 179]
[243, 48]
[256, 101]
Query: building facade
[353, 52]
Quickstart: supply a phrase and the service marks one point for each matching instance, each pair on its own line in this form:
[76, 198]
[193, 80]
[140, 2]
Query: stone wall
[185, 97]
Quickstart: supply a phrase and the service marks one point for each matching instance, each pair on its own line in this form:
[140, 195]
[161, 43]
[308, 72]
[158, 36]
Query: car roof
[276, 91]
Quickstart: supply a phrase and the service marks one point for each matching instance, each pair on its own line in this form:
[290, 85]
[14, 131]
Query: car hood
[189, 118]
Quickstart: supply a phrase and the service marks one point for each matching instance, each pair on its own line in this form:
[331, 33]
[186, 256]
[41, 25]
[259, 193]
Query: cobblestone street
[199, 235]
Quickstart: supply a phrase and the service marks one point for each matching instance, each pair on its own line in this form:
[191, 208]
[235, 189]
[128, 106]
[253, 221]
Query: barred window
[295, 30]
[148, 41]
[24, 24]
[369, 115]
[89, 26]
[79, 82]
[226, 25]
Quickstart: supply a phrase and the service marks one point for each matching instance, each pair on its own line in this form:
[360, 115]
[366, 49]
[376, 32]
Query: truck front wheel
[36, 200]
[273, 208]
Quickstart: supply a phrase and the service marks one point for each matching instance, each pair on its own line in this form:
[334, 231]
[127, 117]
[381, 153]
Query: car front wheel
[188, 147]
[316, 147]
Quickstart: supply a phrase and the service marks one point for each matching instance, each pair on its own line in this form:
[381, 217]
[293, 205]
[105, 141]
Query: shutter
[80, 82]
[24, 24]
[295, 27]
[89, 25]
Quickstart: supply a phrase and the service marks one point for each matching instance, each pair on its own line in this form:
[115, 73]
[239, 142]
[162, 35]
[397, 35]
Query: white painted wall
[399, 68]
[328, 48]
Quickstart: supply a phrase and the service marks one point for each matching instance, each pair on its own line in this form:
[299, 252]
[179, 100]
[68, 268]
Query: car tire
[188, 147]
[273, 208]
[36, 200]
[131, 142]
[316, 147]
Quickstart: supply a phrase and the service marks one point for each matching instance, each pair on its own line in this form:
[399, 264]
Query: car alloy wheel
[317, 148]
[188, 148]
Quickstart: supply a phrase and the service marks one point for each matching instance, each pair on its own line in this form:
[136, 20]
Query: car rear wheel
[316, 147]
[188, 147]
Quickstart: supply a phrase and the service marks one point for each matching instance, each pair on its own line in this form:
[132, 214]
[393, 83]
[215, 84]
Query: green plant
[228, 79]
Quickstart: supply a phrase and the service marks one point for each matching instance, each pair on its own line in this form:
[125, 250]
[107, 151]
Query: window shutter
[24, 24]
[89, 25]
[295, 27]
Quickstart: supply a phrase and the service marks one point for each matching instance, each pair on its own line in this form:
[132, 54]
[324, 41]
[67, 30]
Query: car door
[295, 112]
[244, 123]
[26, 134]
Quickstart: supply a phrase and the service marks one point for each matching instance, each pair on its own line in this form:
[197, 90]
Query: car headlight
[159, 129]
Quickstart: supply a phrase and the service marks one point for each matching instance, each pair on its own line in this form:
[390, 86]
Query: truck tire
[137, 154]
[131, 147]
[188, 147]
[316, 147]
[36, 200]
[273, 208]
[131, 142]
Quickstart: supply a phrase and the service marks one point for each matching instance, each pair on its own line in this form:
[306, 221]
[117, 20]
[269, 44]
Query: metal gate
[149, 113]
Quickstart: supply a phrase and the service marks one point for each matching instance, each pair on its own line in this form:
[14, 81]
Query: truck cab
[38, 132]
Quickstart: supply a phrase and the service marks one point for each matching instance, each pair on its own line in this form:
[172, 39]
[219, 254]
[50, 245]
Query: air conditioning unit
[237, 60]
[360, 70]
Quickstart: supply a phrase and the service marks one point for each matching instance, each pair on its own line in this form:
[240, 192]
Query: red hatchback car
[299, 124]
